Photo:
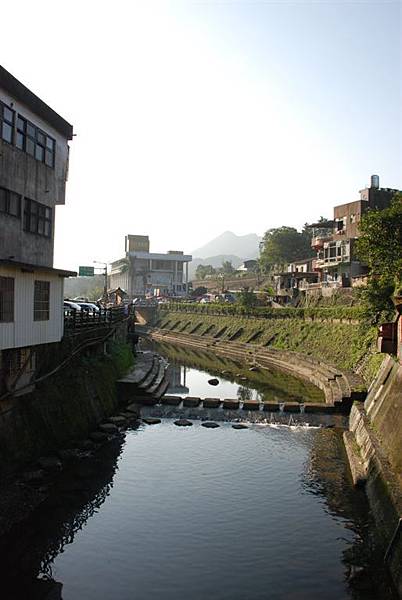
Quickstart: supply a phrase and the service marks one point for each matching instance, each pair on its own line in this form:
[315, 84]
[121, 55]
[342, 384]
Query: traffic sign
[86, 271]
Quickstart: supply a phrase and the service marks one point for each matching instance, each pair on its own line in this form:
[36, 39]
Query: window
[6, 299]
[6, 123]
[10, 203]
[41, 300]
[37, 218]
[35, 142]
[339, 225]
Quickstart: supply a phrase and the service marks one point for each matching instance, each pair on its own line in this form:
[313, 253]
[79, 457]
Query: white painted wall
[24, 331]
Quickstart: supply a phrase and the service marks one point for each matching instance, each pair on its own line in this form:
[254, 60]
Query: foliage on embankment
[339, 342]
[67, 405]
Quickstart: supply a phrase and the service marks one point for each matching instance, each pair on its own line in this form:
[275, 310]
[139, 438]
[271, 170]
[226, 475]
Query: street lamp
[97, 262]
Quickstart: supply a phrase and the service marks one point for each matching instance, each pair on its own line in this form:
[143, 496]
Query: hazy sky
[193, 118]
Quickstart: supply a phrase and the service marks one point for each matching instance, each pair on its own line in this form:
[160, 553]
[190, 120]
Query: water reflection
[27, 553]
[169, 494]
[190, 369]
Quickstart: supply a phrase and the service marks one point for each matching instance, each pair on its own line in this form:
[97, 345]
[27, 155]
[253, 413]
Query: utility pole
[105, 278]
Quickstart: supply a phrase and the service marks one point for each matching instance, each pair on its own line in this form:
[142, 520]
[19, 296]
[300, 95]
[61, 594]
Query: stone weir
[341, 388]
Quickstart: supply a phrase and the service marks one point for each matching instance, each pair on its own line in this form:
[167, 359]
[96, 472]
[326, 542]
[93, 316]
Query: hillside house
[334, 240]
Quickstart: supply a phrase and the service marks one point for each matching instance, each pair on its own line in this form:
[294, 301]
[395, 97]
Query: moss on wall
[339, 343]
[67, 405]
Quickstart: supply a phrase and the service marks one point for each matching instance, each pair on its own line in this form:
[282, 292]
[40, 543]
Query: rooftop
[24, 95]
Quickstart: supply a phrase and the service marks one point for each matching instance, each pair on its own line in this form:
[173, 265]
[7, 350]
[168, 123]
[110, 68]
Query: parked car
[89, 306]
[68, 304]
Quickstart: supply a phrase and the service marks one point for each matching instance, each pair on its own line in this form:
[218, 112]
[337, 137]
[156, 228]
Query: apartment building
[334, 240]
[34, 154]
[144, 273]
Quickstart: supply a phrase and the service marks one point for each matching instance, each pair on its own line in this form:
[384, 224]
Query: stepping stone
[108, 428]
[239, 426]
[209, 424]
[117, 421]
[183, 423]
[253, 369]
[133, 408]
[251, 405]
[50, 463]
[151, 420]
[98, 436]
[191, 402]
[213, 381]
[171, 400]
[231, 404]
[211, 402]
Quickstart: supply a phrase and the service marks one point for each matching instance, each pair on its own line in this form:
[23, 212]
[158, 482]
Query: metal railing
[84, 319]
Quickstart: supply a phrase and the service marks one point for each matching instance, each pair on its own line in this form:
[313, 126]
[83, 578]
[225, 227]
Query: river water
[173, 513]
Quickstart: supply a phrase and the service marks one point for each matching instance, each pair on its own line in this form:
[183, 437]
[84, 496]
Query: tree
[380, 246]
[283, 245]
[380, 242]
[227, 267]
[203, 270]
[247, 299]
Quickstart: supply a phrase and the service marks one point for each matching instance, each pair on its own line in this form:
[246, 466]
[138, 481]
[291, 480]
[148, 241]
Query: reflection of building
[177, 379]
[33, 172]
[142, 272]
[334, 240]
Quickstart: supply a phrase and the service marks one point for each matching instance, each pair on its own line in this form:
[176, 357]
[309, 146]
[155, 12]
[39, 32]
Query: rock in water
[151, 420]
[213, 381]
[183, 423]
[210, 424]
[239, 426]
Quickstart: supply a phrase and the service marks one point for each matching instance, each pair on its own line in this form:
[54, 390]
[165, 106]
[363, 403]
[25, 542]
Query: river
[174, 513]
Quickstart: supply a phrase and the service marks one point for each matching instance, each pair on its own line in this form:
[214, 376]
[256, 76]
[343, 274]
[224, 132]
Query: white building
[33, 172]
[141, 272]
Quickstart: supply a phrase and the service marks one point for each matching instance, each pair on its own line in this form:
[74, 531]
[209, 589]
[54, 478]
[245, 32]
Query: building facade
[144, 273]
[34, 154]
[334, 241]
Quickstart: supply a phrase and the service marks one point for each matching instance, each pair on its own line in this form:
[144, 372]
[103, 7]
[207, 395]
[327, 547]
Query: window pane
[31, 129]
[30, 147]
[48, 213]
[7, 132]
[33, 224]
[39, 153]
[41, 226]
[48, 229]
[41, 138]
[49, 158]
[50, 143]
[14, 204]
[21, 124]
[6, 299]
[19, 142]
[8, 114]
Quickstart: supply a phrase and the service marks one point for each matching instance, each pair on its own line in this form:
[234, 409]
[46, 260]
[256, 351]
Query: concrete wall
[30, 178]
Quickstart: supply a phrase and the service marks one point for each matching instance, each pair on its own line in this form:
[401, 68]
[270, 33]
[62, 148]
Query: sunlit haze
[193, 118]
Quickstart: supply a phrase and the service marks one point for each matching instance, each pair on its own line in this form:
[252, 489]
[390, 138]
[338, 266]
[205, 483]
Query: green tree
[246, 299]
[227, 267]
[283, 245]
[380, 246]
[203, 270]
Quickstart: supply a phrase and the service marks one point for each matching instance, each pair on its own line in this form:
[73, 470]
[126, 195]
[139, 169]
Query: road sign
[86, 271]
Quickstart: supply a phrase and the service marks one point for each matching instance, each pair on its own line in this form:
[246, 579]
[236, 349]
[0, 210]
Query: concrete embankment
[375, 451]
[340, 388]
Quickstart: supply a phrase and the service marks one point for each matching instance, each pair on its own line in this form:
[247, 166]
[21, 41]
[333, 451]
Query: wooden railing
[83, 319]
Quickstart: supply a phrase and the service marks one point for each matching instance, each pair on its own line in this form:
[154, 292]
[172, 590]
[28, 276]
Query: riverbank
[335, 335]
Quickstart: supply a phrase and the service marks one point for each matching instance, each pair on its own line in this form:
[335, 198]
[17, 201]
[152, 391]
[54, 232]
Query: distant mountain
[228, 243]
[215, 261]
